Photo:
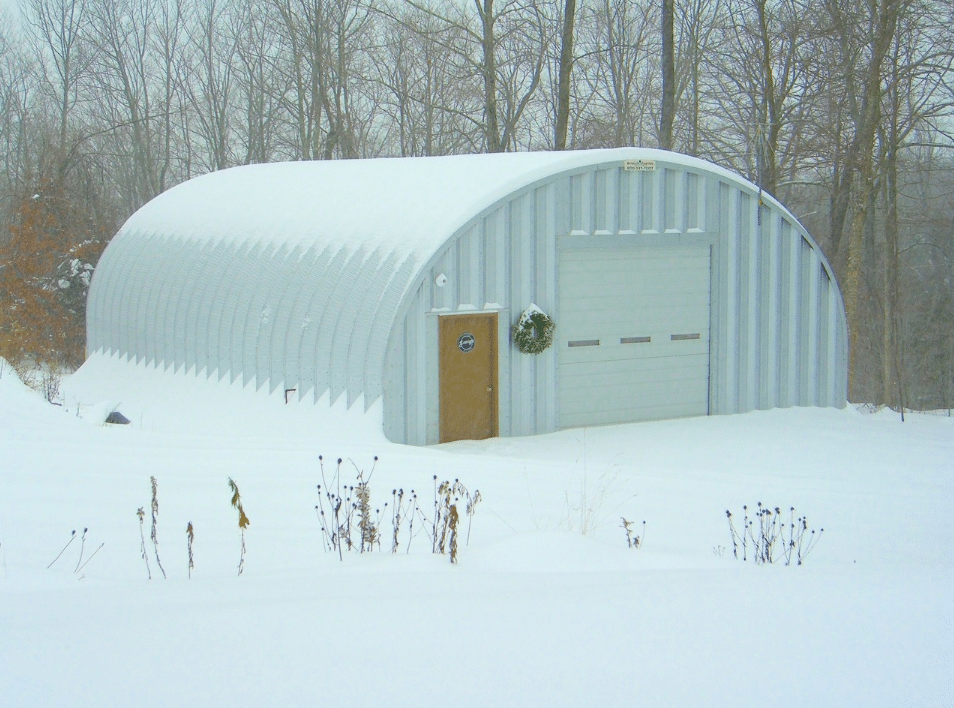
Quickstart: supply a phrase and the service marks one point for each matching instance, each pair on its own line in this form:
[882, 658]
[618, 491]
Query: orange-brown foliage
[42, 303]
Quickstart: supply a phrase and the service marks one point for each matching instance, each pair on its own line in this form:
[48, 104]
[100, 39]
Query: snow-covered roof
[294, 273]
[407, 206]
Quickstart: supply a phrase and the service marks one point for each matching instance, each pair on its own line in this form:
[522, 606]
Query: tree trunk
[860, 159]
[489, 68]
[566, 68]
[668, 112]
[891, 380]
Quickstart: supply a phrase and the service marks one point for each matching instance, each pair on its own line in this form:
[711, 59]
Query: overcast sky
[10, 7]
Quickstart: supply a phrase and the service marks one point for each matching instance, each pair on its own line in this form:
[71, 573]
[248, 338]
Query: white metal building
[677, 289]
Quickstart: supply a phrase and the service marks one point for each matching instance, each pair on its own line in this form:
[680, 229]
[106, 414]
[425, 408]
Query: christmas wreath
[533, 332]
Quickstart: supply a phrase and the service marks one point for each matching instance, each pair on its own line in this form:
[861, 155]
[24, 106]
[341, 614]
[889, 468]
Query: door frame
[492, 317]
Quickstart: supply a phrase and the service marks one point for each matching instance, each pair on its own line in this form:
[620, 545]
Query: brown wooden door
[468, 377]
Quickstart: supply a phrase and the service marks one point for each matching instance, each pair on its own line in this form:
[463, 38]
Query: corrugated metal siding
[311, 319]
[326, 317]
[777, 332]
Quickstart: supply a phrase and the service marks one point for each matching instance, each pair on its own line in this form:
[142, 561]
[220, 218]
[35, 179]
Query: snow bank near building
[535, 613]
[158, 399]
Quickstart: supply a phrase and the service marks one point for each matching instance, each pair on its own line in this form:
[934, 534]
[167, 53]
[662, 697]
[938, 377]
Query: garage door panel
[632, 415]
[619, 299]
[604, 312]
[581, 284]
[652, 304]
[644, 395]
[635, 352]
[623, 369]
[641, 397]
[664, 258]
[648, 302]
[614, 271]
[627, 324]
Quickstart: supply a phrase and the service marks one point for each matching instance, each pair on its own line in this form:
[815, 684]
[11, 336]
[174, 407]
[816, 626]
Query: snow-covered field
[534, 614]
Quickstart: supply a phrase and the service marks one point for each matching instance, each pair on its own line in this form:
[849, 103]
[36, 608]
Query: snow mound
[20, 405]
[158, 399]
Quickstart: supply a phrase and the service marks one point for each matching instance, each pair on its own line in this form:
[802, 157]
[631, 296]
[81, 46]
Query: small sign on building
[639, 165]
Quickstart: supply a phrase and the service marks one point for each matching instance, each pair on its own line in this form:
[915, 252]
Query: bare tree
[618, 73]
[667, 113]
[915, 97]
[426, 89]
[697, 37]
[506, 49]
[762, 72]
[860, 164]
[59, 31]
[169, 37]
[211, 84]
[18, 90]
[126, 82]
[323, 63]
[258, 82]
[303, 64]
[564, 73]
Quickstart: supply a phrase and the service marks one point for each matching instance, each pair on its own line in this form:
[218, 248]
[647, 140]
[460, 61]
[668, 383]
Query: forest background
[843, 109]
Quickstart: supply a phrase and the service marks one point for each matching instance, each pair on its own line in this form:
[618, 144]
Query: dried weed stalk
[82, 548]
[440, 526]
[330, 523]
[350, 522]
[72, 538]
[771, 537]
[631, 540]
[190, 536]
[367, 523]
[142, 536]
[155, 521]
[472, 502]
[453, 521]
[243, 521]
[80, 563]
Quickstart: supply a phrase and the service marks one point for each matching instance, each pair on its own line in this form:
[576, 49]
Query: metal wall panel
[634, 334]
[775, 332]
[311, 263]
[288, 278]
[326, 316]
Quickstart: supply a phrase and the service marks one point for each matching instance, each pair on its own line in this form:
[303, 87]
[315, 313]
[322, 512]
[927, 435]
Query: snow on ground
[535, 613]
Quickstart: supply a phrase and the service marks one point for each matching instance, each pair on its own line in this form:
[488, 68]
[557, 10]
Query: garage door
[633, 334]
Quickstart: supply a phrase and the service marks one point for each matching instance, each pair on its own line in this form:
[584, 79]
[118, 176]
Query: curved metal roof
[293, 273]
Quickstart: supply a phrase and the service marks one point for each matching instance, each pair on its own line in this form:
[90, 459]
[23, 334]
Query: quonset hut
[676, 288]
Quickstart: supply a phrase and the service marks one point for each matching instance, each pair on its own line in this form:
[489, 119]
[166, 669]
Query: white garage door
[633, 333]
